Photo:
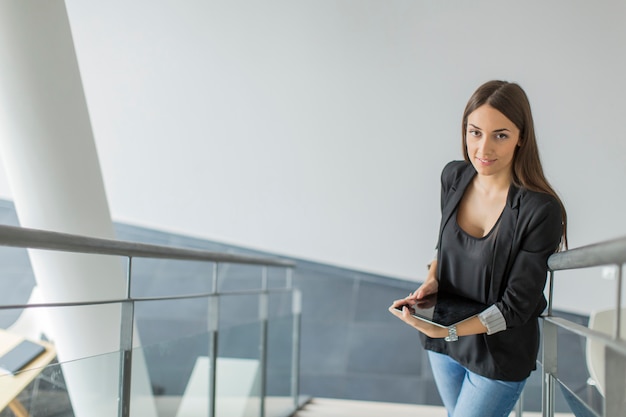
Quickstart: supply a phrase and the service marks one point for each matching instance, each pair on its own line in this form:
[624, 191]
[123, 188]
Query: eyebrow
[497, 130]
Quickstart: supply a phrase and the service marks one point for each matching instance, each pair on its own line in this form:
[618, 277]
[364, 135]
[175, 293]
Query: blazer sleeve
[539, 232]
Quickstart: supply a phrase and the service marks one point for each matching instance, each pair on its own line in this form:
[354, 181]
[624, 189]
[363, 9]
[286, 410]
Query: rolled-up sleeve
[493, 320]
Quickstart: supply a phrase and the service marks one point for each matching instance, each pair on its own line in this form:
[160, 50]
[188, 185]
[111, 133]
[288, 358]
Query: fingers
[394, 310]
[426, 289]
[398, 303]
[408, 300]
[402, 314]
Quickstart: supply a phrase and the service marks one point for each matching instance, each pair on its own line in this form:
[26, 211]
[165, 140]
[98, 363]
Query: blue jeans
[466, 394]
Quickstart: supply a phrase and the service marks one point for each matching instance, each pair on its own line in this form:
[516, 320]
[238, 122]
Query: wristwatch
[452, 336]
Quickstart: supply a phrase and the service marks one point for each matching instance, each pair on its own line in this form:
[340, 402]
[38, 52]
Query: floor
[325, 407]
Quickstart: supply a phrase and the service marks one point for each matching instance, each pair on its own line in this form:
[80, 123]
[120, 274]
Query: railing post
[618, 304]
[126, 358]
[549, 356]
[295, 347]
[550, 291]
[264, 318]
[615, 363]
[126, 348]
[213, 328]
[549, 363]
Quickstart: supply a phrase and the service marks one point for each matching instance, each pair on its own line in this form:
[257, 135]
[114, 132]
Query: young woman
[501, 220]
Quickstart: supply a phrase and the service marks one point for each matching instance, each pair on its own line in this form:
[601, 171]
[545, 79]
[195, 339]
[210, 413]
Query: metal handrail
[603, 253]
[42, 239]
[142, 298]
[607, 253]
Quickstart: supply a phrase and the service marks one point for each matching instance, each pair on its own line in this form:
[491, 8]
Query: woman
[501, 220]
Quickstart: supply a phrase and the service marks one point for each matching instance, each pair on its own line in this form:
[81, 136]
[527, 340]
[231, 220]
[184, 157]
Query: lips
[485, 162]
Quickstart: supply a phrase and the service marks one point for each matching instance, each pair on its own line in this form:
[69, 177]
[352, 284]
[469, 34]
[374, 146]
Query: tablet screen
[446, 309]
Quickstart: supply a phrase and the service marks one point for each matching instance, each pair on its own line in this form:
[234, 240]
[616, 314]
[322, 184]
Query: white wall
[319, 128]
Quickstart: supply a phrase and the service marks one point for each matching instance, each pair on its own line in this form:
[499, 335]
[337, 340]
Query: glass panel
[277, 277]
[169, 277]
[579, 392]
[574, 405]
[532, 392]
[175, 345]
[280, 353]
[239, 357]
[47, 391]
[233, 277]
[178, 370]
[85, 339]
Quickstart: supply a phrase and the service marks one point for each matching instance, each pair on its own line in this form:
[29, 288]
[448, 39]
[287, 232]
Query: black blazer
[530, 231]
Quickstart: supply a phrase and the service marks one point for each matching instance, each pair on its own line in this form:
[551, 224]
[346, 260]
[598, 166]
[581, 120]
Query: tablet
[445, 309]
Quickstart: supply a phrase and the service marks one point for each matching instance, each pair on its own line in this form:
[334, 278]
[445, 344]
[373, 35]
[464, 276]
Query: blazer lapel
[504, 244]
[455, 194]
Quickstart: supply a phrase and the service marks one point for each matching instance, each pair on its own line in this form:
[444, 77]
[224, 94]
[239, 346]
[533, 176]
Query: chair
[601, 321]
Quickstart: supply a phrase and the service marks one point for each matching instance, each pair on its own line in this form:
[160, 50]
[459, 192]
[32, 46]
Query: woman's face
[491, 139]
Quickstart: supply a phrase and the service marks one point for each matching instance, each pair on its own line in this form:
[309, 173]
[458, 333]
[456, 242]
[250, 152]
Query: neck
[493, 184]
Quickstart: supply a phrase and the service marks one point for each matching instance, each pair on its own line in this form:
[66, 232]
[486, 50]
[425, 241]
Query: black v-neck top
[466, 260]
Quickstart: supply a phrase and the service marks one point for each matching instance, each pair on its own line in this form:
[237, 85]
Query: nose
[484, 146]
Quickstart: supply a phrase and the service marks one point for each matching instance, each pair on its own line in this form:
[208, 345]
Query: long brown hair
[510, 100]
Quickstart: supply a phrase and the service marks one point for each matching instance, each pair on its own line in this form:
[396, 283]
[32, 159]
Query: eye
[502, 136]
[475, 133]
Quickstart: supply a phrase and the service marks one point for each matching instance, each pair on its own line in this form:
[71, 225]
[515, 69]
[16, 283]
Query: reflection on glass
[48, 394]
[577, 405]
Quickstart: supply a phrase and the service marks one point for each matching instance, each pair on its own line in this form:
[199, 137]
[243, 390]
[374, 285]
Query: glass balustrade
[209, 339]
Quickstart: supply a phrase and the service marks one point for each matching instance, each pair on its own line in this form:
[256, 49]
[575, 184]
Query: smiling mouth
[485, 161]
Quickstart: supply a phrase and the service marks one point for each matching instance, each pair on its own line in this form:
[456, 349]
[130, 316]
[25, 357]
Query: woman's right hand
[430, 286]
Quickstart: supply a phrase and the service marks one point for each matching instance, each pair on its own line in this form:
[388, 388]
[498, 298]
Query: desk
[12, 385]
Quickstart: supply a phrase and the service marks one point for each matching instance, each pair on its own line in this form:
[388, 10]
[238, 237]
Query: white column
[49, 153]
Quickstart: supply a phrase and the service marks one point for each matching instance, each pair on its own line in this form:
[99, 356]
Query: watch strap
[452, 336]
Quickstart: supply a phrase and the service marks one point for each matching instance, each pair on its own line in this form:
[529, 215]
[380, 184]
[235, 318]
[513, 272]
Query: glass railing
[225, 345]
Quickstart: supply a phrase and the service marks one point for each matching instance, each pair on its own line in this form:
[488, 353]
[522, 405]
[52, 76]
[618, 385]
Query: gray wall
[318, 129]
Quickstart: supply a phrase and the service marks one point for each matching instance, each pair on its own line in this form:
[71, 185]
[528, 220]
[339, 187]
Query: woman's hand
[430, 286]
[428, 329]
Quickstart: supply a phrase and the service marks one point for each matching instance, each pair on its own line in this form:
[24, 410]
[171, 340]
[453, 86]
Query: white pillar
[51, 161]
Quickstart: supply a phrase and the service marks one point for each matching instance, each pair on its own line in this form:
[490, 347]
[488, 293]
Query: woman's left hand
[428, 329]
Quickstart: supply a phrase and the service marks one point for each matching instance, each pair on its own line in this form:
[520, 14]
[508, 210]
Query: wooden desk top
[12, 385]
